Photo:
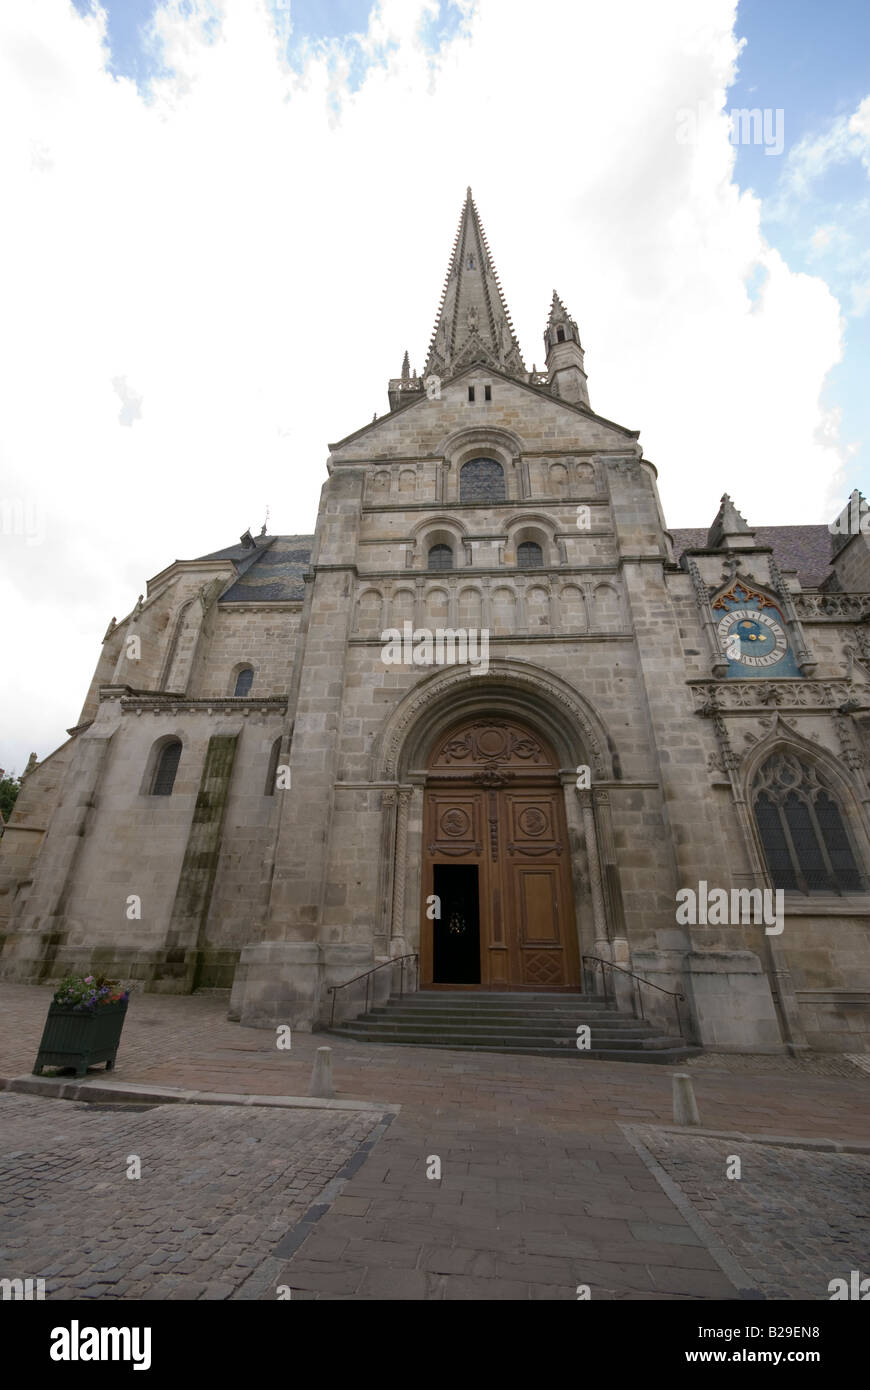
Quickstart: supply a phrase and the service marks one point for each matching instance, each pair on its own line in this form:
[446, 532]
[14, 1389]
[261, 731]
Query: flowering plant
[85, 993]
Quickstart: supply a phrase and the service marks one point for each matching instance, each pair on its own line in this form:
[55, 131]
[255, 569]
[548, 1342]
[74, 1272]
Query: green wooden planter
[79, 1039]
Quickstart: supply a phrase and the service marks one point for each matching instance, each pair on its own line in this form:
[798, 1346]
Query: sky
[226, 220]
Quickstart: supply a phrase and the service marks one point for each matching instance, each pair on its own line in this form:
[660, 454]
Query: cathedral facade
[493, 720]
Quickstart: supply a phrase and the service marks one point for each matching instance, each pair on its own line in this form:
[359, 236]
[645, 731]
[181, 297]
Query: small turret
[404, 388]
[565, 356]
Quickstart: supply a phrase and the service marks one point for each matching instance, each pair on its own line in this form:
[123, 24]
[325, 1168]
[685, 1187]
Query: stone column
[553, 607]
[486, 603]
[383, 930]
[803, 656]
[620, 952]
[452, 602]
[527, 487]
[601, 944]
[397, 932]
[579, 861]
[522, 620]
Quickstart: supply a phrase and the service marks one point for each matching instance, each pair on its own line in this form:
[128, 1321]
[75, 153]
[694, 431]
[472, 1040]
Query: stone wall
[287, 894]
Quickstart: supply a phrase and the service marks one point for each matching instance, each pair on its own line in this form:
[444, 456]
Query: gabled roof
[521, 382]
[806, 549]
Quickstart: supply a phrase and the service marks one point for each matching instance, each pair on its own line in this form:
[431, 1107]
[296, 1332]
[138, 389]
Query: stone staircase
[540, 1025]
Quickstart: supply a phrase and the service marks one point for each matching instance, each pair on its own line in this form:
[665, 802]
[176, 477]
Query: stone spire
[565, 356]
[729, 530]
[473, 323]
[559, 314]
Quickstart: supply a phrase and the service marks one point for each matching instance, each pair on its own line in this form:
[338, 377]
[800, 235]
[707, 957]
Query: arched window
[529, 555]
[481, 480]
[166, 768]
[440, 557]
[805, 841]
[272, 772]
[560, 335]
[244, 681]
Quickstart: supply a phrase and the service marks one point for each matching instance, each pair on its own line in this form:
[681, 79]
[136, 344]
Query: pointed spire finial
[406, 366]
[473, 323]
[558, 313]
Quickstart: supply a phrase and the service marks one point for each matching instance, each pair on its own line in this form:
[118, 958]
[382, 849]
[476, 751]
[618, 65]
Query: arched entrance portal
[496, 859]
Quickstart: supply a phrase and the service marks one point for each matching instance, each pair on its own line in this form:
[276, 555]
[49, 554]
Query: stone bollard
[321, 1074]
[685, 1106]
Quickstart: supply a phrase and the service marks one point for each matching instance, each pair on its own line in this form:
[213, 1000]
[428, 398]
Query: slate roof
[806, 549]
[272, 572]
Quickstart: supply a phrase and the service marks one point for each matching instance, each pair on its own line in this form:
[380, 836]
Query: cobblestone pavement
[794, 1219]
[540, 1189]
[761, 1064]
[219, 1186]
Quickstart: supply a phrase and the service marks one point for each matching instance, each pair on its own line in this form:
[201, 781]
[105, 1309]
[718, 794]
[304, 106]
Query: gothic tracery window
[805, 841]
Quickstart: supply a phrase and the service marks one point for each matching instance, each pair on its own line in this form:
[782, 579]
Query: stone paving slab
[540, 1188]
[397, 1233]
[795, 1219]
[219, 1187]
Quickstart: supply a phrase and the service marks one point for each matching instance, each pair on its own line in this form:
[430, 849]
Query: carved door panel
[537, 891]
[502, 813]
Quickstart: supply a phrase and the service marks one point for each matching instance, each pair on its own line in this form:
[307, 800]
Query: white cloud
[252, 249]
[844, 138]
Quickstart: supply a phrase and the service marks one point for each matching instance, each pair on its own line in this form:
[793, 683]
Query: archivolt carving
[477, 435]
[577, 726]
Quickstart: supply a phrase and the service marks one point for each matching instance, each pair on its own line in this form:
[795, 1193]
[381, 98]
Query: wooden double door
[497, 908]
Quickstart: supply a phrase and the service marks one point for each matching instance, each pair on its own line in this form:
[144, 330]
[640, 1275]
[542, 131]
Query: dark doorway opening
[456, 933]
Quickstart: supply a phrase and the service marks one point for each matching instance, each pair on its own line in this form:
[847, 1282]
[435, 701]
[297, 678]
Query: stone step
[662, 1056]
[501, 1036]
[564, 1016]
[535, 1024]
[535, 1010]
[526, 1027]
[473, 998]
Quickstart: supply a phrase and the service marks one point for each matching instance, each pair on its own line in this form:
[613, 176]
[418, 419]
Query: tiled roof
[275, 573]
[806, 549]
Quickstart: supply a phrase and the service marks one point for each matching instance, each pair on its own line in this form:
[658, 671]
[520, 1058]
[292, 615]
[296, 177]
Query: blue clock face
[762, 639]
[752, 634]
